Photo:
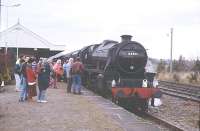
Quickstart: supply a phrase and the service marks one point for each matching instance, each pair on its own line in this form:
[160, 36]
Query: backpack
[77, 68]
[17, 69]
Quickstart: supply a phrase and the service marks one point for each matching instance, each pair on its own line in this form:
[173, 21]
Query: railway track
[164, 122]
[156, 119]
[184, 91]
[149, 116]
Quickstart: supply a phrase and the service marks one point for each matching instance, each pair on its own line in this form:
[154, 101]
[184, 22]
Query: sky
[78, 23]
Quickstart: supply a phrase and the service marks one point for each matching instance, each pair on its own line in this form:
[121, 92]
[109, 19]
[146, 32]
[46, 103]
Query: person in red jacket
[31, 79]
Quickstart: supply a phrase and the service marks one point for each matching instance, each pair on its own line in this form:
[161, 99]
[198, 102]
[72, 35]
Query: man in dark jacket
[43, 81]
[23, 77]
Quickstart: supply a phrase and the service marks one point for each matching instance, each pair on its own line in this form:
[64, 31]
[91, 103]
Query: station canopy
[63, 53]
[18, 36]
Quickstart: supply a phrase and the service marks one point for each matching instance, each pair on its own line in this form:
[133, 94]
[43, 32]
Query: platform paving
[67, 112]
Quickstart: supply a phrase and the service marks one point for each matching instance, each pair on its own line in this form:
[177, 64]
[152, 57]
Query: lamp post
[0, 21]
[171, 49]
[7, 6]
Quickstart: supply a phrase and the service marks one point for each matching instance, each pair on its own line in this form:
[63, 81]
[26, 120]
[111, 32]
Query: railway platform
[67, 112]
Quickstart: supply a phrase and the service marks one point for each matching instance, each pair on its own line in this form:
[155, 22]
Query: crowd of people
[33, 78]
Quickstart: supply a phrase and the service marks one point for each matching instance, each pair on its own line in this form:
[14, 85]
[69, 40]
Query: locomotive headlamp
[133, 53]
[113, 84]
[132, 67]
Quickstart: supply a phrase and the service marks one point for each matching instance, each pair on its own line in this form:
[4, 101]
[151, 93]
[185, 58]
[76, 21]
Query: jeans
[17, 79]
[24, 89]
[69, 84]
[76, 83]
[42, 95]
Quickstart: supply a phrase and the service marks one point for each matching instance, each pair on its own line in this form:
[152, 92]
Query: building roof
[21, 37]
[63, 53]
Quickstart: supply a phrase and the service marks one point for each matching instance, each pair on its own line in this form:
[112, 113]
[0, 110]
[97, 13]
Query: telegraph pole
[1, 46]
[171, 49]
[0, 17]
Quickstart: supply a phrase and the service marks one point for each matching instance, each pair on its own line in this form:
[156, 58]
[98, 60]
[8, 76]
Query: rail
[185, 91]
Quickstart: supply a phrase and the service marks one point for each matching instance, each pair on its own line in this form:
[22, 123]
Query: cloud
[78, 23]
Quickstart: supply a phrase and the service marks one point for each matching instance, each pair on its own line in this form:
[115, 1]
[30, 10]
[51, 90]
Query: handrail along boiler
[118, 68]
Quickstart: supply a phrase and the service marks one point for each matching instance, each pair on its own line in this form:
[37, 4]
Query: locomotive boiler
[118, 68]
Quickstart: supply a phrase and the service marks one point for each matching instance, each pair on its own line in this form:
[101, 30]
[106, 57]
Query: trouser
[42, 95]
[24, 94]
[17, 80]
[69, 84]
[64, 77]
[76, 83]
[152, 101]
[32, 91]
[55, 81]
[24, 89]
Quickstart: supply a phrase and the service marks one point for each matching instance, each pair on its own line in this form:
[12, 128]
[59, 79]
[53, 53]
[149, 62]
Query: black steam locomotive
[118, 68]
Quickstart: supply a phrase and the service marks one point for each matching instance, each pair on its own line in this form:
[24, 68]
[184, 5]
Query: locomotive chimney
[126, 38]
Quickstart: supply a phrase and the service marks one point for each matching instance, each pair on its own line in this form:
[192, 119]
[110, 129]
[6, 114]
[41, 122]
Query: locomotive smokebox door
[150, 77]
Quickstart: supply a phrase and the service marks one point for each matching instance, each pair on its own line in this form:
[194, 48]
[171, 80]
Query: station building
[19, 40]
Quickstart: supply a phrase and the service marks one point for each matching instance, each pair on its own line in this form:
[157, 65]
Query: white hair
[58, 61]
[71, 60]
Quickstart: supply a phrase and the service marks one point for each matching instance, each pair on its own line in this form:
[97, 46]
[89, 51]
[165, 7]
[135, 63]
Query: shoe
[39, 101]
[30, 100]
[17, 90]
[21, 100]
[43, 101]
[26, 98]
